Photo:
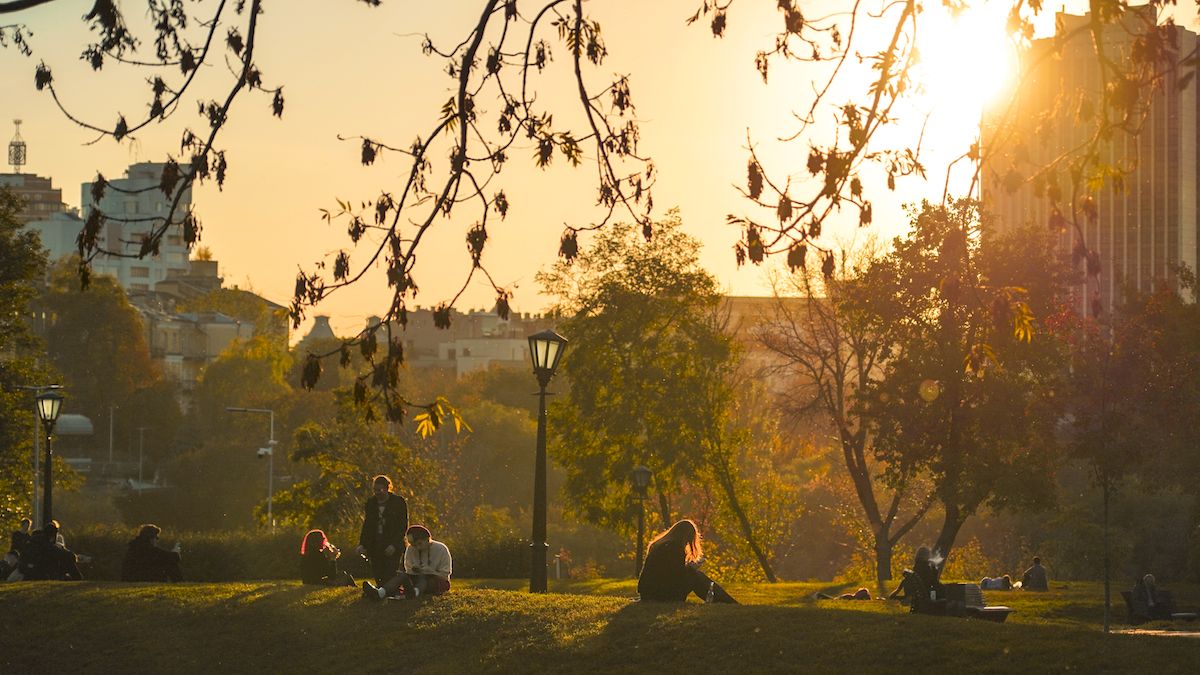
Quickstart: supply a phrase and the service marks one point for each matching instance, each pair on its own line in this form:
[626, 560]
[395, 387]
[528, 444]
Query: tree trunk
[950, 526]
[747, 530]
[664, 510]
[883, 560]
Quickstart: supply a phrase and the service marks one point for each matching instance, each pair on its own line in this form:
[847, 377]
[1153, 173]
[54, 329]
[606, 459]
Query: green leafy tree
[97, 340]
[832, 351]
[966, 392]
[650, 372]
[22, 263]
[344, 453]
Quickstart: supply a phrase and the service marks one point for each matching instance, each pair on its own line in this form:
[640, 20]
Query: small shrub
[207, 556]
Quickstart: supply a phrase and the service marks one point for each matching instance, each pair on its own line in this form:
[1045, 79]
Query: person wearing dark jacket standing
[671, 571]
[145, 561]
[385, 520]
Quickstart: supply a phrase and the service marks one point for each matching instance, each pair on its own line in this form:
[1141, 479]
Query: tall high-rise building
[1143, 181]
[132, 206]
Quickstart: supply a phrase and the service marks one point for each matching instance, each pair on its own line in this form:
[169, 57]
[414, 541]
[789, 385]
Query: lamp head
[641, 479]
[546, 349]
[49, 405]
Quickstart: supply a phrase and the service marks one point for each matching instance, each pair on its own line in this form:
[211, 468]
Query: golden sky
[350, 69]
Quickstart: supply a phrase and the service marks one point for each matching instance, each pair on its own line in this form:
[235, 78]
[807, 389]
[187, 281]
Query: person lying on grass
[318, 561]
[671, 570]
[427, 569]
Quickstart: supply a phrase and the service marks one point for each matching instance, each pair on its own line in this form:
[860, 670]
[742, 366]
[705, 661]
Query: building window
[174, 240]
[139, 272]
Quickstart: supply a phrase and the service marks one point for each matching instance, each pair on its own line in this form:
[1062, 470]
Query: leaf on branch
[169, 177]
[784, 210]
[277, 103]
[815, 161]
[502, 307]
[235, 42]
[367, 346]
[42, 77]
[718, 23]
[344, 356]
[311, 373]
[441, 316]
[368, 152]
[341, 266]
[797, 257]
[94, 57]
[500, 202]
[865, 215]
[754, 179]
[98, 187]
[89, 234]
[191, 229]
[754, 245]
[122, 129]
[827, 266]
[476, 239]
[568, 245]
[187, 60]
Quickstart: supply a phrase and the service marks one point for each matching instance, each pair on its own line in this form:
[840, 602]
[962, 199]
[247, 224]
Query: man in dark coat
[1034, 578]
[385, 520]
[43, 560]
[145, 561]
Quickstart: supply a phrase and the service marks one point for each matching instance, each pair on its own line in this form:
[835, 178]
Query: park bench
[1138, 610]
[962, 600]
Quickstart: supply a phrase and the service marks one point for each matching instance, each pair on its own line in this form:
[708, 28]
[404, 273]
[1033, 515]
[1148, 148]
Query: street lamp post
[546, 349]
[641, 481]
[269, 453]
[39, 389]
[141, 451]
[49, 405]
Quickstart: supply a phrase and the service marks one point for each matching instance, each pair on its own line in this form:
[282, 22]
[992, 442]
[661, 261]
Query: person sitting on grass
[921, 583]
[1034, 578]
[43, 560]
[427, 569]
[145, 561]
[8, 568]
[671, 570]
[1146, 590]
[318, 561]
[21, 535]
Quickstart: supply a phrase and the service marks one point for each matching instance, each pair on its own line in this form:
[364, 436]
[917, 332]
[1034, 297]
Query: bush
[207, 556]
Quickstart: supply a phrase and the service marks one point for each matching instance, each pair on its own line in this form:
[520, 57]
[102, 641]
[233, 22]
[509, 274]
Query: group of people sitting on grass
[408, 563]
[923, 581]
[39, 554]
[42, 555]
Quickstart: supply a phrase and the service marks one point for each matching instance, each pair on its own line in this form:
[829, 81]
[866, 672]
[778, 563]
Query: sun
[966, 59]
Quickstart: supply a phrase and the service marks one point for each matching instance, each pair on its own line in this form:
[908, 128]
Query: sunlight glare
[965, 62]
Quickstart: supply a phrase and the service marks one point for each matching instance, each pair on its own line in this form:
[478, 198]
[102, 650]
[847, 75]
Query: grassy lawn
[494, 626]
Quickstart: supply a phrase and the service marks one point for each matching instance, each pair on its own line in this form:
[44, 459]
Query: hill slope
[276, 626]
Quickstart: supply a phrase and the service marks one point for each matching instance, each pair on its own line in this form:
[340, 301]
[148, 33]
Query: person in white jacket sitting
[427, 568]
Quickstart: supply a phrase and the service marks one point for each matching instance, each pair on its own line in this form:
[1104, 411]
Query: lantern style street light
[546, 349]
[641, 480]
[49, 404]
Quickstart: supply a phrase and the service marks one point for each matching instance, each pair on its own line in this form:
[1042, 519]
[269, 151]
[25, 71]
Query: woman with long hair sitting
[671, 570]
[318, 561]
